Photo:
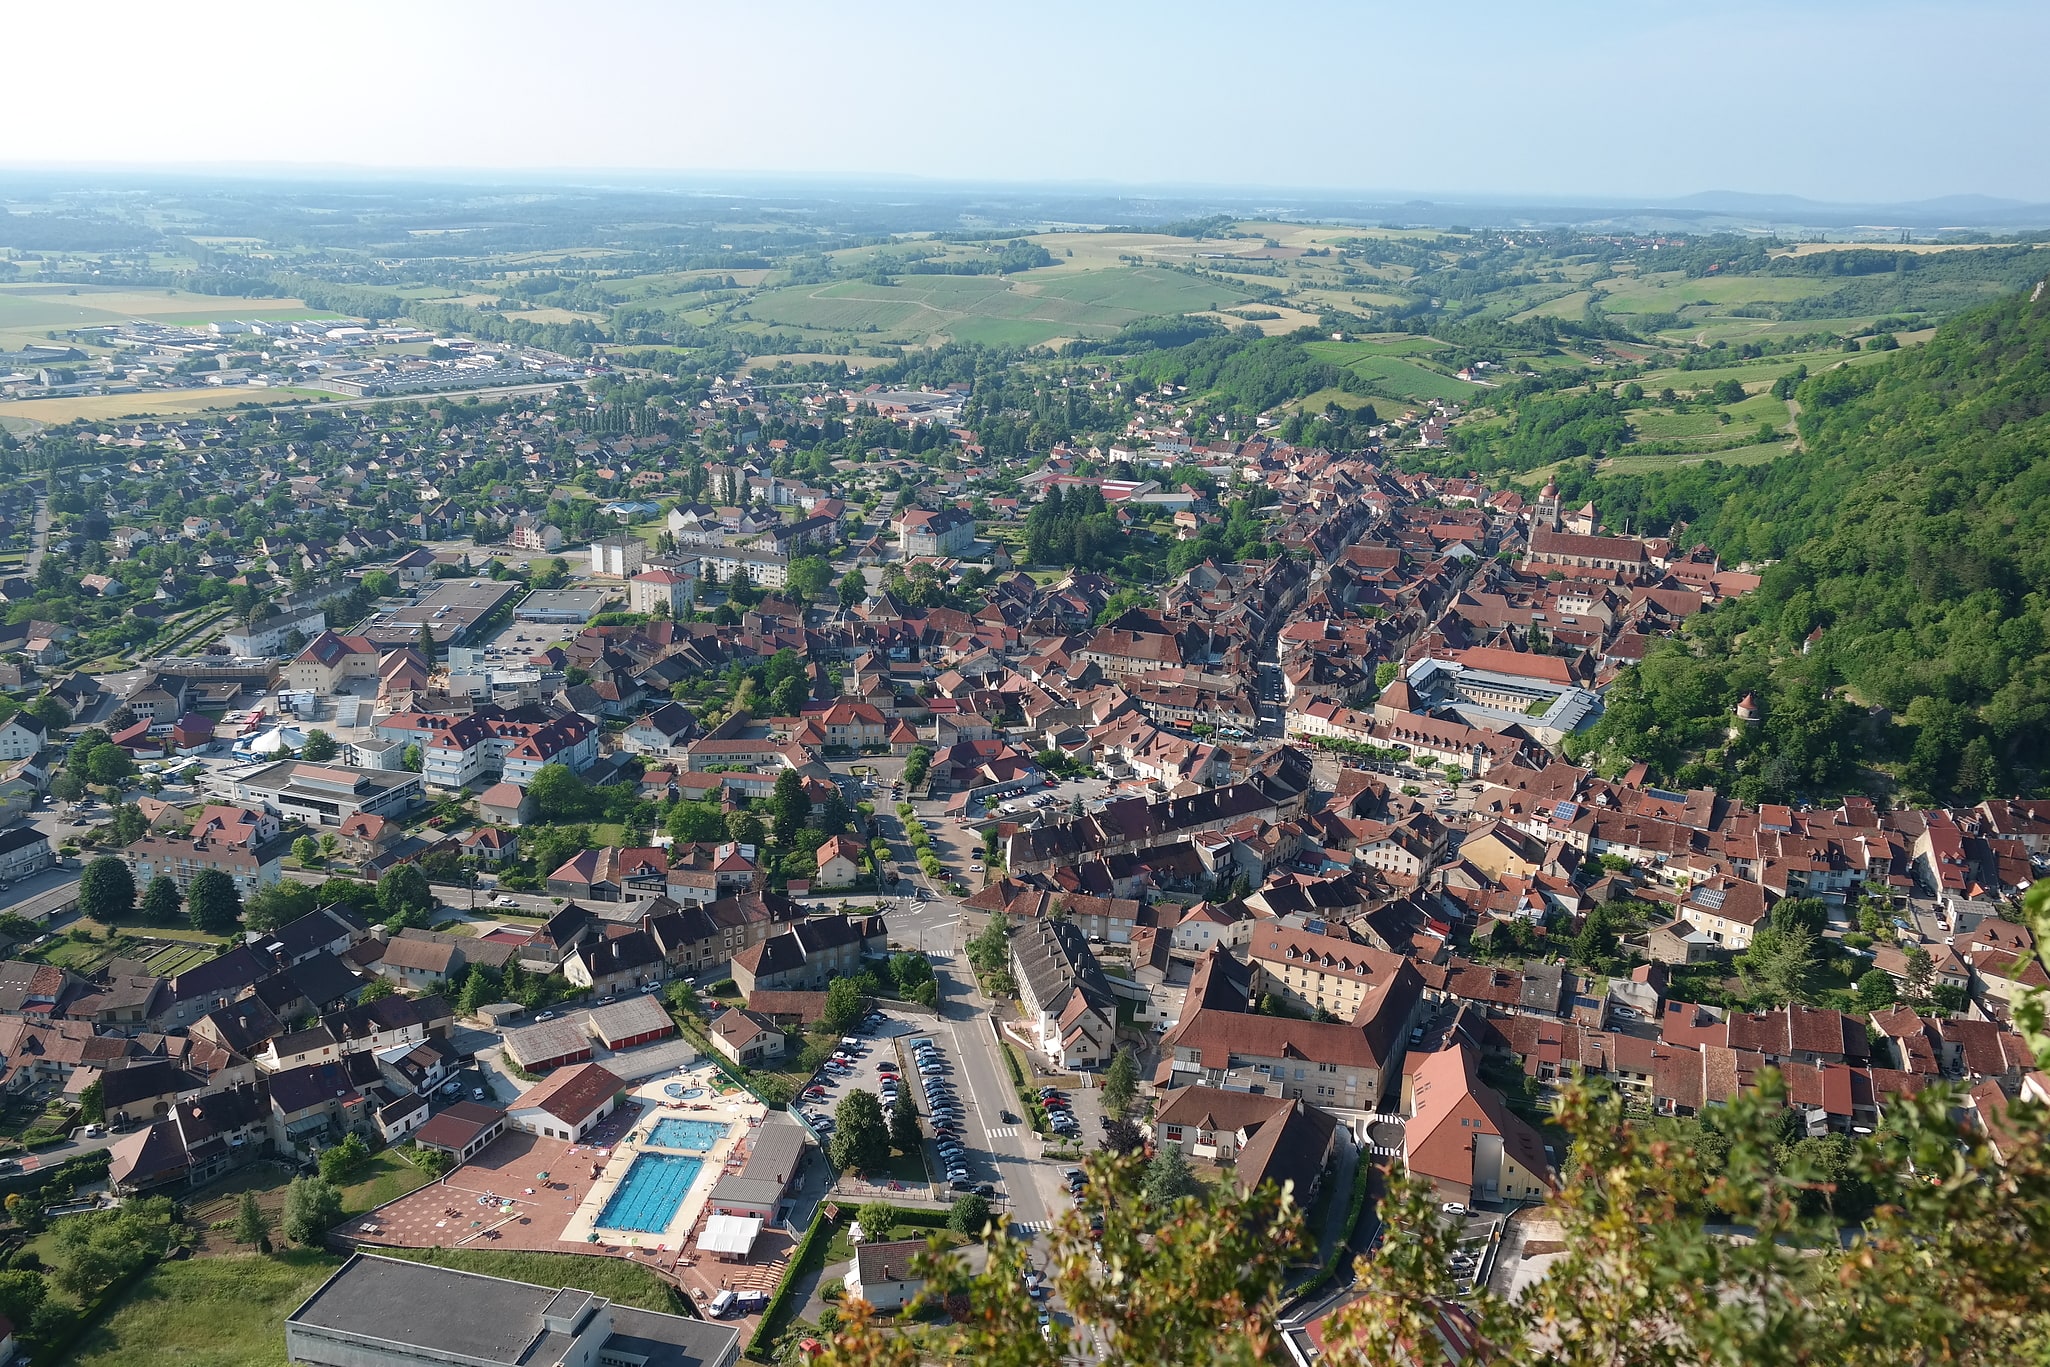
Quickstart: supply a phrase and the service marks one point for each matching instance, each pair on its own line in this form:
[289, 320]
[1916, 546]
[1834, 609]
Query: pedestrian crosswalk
[1031, 1226]
[1004, 1132]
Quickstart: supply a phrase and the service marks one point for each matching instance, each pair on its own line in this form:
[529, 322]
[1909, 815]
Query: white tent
[730, 1236]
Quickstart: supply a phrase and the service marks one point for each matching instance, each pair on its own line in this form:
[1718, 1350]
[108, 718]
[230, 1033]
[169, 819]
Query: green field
[1016, 311]
[1390, 373]
[1669, 291]
[618, 1280]
[1742, 455]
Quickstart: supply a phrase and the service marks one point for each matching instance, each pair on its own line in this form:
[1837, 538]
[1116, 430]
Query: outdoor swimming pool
[698, 1136]
[682, 1093]
[648, 1196]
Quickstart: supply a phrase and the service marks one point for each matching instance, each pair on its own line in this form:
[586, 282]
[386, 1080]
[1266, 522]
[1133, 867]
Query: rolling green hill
[1913, 528]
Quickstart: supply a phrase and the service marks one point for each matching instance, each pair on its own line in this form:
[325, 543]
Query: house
[569, 1103]
[839, 861]
[1351, 1065]
[747, 1038]
[1066, 997]
[505, 804]
[613, 964]
[882, 1273]
[21, 737]
[490, 845]
[1266, 1138]
[667, 731]
[1464, 1139]
[24, 850]
[810, 954]
[314, 1107]
[389, 1312]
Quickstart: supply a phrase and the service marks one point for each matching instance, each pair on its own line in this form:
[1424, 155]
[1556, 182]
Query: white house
[568, 1103]
[21, 737]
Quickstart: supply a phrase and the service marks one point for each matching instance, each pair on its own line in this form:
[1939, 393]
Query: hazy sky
[1875, 100]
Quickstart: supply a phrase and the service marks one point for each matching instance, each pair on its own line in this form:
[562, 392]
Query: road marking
[1031, 1226]
[1004, 1132]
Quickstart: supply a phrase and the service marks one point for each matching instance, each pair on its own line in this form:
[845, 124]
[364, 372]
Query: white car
[1453, 1208]
[504, 900]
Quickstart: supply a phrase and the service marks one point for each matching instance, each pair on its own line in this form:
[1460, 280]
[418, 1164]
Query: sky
[1865, 101]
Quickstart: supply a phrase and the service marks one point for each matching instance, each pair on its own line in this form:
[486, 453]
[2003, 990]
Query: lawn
[208, 1312]
[616, 1279]
[385, 1177]
[840, 1249]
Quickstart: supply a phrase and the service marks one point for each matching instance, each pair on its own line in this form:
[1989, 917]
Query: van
[722, 1305]
[849, 1042]
[752, 1302]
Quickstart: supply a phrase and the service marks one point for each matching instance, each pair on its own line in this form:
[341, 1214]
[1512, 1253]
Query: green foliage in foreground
[1916, 1245]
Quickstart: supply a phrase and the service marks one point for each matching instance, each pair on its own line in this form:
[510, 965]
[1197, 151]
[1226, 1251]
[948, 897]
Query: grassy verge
[1021, 1081]
[616, 1279]
[207, 1312]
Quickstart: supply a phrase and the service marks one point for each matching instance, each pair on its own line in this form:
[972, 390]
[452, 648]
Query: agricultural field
[159, 403]
[28, 311]
[996, 310]
[1387, 366]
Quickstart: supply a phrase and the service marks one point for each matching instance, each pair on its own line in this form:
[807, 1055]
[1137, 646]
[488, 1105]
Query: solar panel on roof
[1564, 811]
[1664, 796]
[1709, 898]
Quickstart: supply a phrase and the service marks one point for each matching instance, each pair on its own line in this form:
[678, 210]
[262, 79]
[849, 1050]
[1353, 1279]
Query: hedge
[87, 1167]
[1362, 1174]
[1034, 1110]
[813, 1242]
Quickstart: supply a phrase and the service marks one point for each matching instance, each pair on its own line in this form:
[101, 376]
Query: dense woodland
[1910, 529]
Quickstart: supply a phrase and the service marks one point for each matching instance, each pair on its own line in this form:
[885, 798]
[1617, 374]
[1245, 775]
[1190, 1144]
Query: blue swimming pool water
[697, 1136]
[683, 1093]
[647, 1197]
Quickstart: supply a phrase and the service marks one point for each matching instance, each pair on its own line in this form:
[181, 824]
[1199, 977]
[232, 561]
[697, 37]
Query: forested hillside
[1913, 528]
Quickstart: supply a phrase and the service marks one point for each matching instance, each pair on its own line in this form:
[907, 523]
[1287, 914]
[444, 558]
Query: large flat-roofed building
[386, 1312]
[565, 606]
[451, 609]
[326, 794]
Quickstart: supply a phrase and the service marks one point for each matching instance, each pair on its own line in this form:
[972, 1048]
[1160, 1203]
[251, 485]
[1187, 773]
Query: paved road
[39, 540]
[984, 1085]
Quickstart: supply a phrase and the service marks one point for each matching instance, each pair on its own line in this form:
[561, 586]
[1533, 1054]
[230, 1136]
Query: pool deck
[559, 1215]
